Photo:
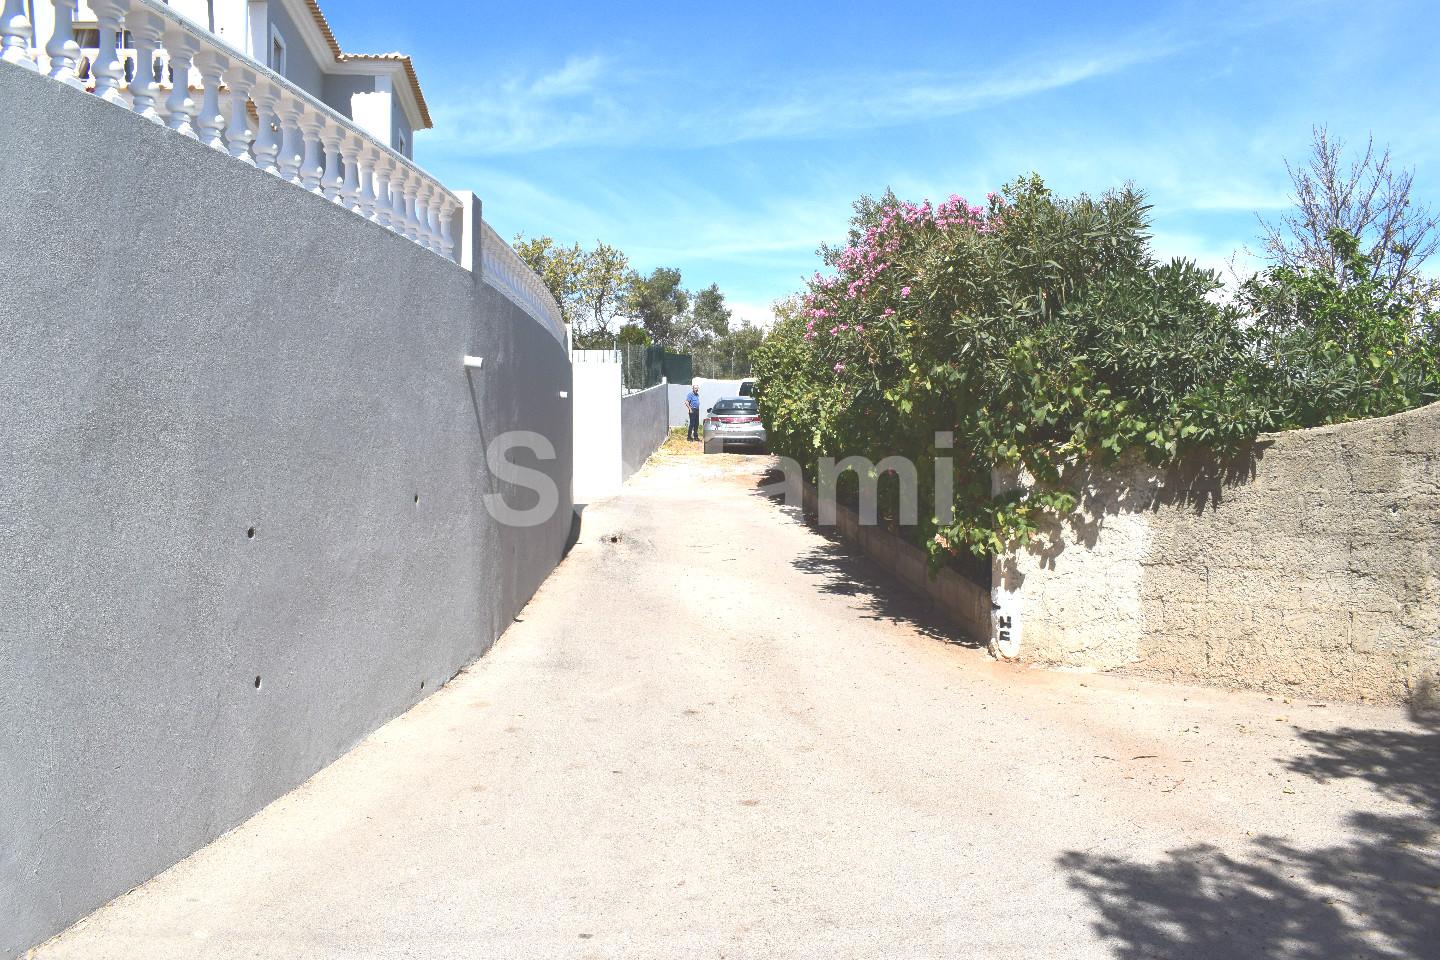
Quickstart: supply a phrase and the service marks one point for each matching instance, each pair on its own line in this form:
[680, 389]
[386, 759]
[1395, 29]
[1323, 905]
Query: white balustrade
[259, 118]
[505, 271]
[350, 162]
[267, 138]
[108, 69]
[63, 51]
[312, 168]
[210, 123]
[383, 206]
[148, 32]
[292, 141]
[333, 180]
[238, 132]
[180, 107]
[16, 32]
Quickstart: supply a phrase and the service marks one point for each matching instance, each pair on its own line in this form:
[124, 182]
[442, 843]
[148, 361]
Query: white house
[379, 92]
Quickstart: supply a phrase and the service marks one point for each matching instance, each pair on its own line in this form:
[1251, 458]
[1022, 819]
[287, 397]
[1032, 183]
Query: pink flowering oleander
[839, 368]
[904, 291]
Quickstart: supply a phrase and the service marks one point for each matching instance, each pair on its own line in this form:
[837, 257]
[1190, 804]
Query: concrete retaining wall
[643, 427]
[1311, 566]
[965, 604]
[242, 481]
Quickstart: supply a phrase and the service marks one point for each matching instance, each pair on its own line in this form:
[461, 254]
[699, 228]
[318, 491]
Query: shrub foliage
[1040, 331]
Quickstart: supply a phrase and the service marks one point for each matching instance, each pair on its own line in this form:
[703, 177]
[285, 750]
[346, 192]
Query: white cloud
[592, 101]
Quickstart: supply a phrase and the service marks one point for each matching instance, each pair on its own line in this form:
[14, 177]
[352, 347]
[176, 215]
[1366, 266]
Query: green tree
[560, 268]
[602, 288]
[659, 304]
[633, 335]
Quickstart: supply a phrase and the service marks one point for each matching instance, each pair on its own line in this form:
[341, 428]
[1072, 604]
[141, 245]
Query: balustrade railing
[514, 278]
[151, 60]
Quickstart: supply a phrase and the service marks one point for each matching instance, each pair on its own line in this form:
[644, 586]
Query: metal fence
[644, 367]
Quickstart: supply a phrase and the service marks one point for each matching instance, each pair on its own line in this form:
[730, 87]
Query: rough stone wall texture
[193, 349]
[1311, 565]
[643, 427]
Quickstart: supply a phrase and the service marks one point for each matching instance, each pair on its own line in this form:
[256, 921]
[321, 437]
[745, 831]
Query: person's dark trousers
[694, 425]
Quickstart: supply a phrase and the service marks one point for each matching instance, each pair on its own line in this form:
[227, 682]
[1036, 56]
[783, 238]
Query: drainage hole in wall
[250, 534]
[614, 538]
[422, 684]
[417, 498]
[257, 683]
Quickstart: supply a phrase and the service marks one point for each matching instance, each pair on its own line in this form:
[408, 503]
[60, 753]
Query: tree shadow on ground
[1376, 894]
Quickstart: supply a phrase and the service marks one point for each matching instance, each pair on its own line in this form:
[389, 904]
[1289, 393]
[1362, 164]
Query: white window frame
[277, 39]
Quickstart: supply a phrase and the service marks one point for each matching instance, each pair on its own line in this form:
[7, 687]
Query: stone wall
[1311, 565]
[643, 427]
[242, 491]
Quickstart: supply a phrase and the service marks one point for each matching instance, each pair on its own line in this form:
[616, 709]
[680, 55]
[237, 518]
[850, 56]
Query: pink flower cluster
[861, 266]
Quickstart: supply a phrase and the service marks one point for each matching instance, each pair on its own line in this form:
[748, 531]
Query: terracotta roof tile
[400, 58]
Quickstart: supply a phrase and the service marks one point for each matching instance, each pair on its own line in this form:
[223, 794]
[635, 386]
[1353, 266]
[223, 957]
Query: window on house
[401, 144]
[277, 52]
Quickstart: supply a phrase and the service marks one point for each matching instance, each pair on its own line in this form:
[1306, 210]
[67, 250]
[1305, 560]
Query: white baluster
[350, 167]
[383, 213]
[63, 51]
[412, 221]
[181, 108]
[436, 220]
[366, 180]
[312, 169]
[238, 135]
[107, 69]
[292, 141]
[148, 32]
[16, 32]
[267, 140]
[333, 181]
[448, 207]
[422, 214]
[211, 122]
[432, 217]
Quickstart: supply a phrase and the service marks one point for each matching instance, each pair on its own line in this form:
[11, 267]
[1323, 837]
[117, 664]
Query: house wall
[273, 363]
[301, 67]
[400, 128]
[1311, 565]
[643, 427]
[339, 88]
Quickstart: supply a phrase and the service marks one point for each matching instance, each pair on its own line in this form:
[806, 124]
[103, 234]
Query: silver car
[733, 421]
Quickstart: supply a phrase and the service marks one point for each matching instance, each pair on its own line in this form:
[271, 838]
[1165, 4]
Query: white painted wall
[595, 408]
[710, 391]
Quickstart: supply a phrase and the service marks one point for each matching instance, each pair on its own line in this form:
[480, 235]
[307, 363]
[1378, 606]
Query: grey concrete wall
[194, 350]
[644, 425]
[1310, 566]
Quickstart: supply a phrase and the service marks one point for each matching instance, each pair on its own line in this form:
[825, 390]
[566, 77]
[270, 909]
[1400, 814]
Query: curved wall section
[242, 491]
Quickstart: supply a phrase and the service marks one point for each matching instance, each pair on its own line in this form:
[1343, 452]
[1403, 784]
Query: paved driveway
[711, 736]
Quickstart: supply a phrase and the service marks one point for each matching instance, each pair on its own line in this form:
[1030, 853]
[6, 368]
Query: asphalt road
[715, 734]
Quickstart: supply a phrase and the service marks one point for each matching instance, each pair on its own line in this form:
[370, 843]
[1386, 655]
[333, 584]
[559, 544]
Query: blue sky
[728, 139]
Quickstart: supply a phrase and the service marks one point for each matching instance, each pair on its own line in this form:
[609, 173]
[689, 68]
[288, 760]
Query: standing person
[692, 406]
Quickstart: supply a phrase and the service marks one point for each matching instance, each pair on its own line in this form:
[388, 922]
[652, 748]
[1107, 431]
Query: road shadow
[845, 571]
[1373, 894]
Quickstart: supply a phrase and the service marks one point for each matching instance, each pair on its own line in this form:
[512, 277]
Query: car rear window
[735, 406]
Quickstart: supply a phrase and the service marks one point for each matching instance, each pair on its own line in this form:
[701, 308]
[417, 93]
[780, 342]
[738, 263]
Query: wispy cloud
[596, 101]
